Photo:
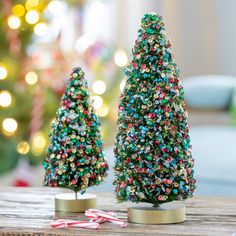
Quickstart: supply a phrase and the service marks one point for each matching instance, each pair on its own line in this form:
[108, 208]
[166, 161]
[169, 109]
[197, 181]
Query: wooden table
[29, 211]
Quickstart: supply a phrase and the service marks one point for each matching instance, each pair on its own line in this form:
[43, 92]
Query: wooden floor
[29, 211]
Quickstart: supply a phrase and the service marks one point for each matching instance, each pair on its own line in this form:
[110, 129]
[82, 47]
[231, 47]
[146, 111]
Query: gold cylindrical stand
[67, 202]
[168, 213]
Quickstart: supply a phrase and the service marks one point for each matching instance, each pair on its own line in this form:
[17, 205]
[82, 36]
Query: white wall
[203, 32]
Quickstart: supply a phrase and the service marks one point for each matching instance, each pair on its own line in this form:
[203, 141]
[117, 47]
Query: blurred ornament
[52, 65]
[97, 101]
[31, 78]
[40, 29]
[99, 87]
[23, 147]
[23, 174]
[3, 72]
[5, 98]
[32, 17]
[18, 10]
[13, 22]
[9, 126]
[120, 58]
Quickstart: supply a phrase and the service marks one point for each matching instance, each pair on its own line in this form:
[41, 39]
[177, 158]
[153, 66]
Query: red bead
[155, 142]
[151, 115]
[143, 66]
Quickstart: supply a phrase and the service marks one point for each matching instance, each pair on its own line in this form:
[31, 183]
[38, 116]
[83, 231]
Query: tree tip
[77, 71]
[151, 17]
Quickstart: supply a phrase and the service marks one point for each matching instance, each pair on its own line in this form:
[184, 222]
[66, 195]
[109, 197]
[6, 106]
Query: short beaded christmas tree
[152, 148]
[75, 157]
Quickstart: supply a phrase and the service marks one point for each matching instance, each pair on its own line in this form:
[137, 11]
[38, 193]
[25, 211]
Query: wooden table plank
[29, 211]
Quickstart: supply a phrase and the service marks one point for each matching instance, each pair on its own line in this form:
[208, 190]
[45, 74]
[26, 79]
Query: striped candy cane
[96, 218]
[37, 111]
[101, 216]
[62, 223]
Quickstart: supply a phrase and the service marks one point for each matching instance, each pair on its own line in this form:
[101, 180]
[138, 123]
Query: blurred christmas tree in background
[36, 54]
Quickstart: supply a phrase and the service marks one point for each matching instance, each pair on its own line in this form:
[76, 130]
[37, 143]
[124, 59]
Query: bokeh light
[18, 10]
[120, 58]
[38, 143]
[40, 29]
[56, 7]
[3, 73]
[31, 78]
[99, 87]
[23, 147]
[32, 17]
[31, 4]
[9, 126]
[103, 111]
[13, 22]
[5, 98]
[97, 101]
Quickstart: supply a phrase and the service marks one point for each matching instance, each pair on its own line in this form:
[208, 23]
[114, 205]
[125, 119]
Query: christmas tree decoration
[75, 157]
[153, 162]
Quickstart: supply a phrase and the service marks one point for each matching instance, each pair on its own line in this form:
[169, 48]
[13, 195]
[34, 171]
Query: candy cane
[96, 218]
[37, 111]
[102, 216]
[61, 223]
[12, 35]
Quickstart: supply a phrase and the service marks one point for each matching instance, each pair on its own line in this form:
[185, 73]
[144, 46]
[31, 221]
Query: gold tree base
[168, 213]
[67, 202]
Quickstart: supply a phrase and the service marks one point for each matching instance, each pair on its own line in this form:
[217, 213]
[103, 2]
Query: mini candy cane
[96, 218]
[61, 223]
[102, 216]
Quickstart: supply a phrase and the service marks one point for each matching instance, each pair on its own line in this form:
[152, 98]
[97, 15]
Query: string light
[23, 147]
[38, 143]
[99, 87]
[97, 101]
[32, 17]
[40, 29]
[31, 78]
[18, 10]
[103, 111]
[5, 98]
[56, 7]
[122, 85]
[9, 126]
[13, 22]
[120, 58]
[3, 73]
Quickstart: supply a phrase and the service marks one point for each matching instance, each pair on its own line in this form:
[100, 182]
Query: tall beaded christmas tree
[75, 157]
[153, 162]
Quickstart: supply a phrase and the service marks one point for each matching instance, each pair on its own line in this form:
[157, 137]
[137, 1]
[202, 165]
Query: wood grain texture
[29, 211]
